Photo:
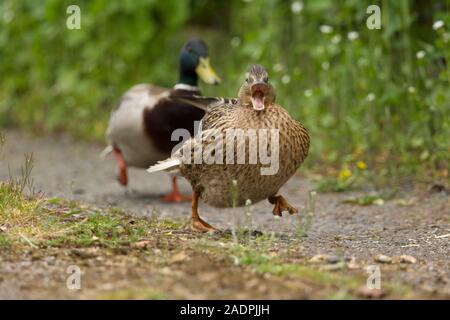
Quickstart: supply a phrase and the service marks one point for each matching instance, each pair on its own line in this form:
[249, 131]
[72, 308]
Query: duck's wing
[133, 102]
[206, 103]
[169, 114]
[140, 94]
[125, 127]
[218, 116]
[129, 109]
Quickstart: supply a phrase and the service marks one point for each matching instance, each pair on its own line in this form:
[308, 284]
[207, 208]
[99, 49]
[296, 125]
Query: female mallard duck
[255, 111]
[140, 128]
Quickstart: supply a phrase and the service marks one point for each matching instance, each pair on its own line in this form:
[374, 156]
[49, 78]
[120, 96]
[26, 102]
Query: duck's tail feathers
[169, 165]
[106, 151]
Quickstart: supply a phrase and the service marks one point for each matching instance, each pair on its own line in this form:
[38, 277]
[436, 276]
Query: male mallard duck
[140, 128]
[254, 111]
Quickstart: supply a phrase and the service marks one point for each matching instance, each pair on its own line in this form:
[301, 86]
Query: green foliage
[4, 241]
[106, 230]
[381, 96]
[54, 78]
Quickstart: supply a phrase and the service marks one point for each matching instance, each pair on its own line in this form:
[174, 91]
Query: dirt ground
[415, 223]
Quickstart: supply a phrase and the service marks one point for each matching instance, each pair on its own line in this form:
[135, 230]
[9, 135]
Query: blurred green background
[373, 100]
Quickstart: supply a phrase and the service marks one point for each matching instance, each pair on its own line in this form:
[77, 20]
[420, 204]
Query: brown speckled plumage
[212, 181]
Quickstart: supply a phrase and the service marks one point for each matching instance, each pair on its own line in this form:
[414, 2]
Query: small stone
[318, 258]
[179, 257]
[352, 265]
[332, 259]
[325, 258]
[79, 191]
[207, 277]
[437, 187]
[333, 267]
[407, 259]
[378, 202]
[120, 230]
[166, 271]
[140, 244]
[83, 254]
[371, 293]
[36, 255]
[383, 258]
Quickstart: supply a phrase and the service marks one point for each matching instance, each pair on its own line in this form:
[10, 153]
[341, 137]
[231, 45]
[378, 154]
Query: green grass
[38, 222]
[101, 229]
[41, 224]
[4, 241]
[257, 256]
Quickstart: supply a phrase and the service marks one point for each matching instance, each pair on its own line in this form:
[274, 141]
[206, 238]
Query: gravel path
[416, 224]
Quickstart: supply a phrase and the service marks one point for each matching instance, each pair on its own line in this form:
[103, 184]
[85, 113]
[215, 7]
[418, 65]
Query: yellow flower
[344, 174]
[361, 165]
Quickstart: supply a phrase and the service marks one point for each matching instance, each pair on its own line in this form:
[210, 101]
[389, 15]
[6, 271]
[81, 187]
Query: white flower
[336, 39]
[411, 89]
[8, 16]
[286, 79]
[370, 97]
[352, 35]
[326, 29]
[438, 24]
[235, 42]
[308, 93]
[277, 67]
[325, 65]
[297, 7]
[420, 54]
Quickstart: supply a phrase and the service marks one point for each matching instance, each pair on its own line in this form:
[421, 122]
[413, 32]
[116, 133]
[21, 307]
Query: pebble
[178, 257]
[371, 293]
[407, 259]
[352, 264]
[325, 258]
[318, 258]
[333, 267]
[383, 258]
[140, 244]
[83, 254]
[332, 259]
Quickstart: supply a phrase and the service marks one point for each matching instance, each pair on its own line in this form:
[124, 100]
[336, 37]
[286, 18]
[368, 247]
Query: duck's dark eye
[266, 79]
[247, 80]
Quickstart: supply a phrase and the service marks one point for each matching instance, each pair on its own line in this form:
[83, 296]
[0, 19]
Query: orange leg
[281, 205]
[123, 176]
[197, 222]
[175, 195]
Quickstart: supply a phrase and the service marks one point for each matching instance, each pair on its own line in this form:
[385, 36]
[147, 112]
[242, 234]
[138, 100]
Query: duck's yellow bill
[206, 72]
